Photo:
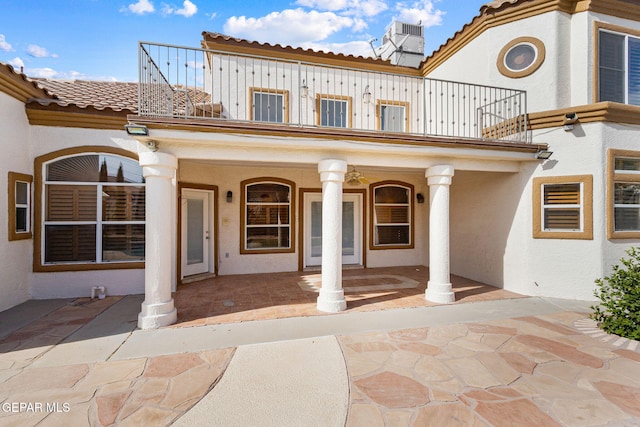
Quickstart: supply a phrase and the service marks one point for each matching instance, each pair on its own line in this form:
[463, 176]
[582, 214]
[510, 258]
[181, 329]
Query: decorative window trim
[243, 216]
[13, 179]
[532, 68]
[372, 222]
[598, 27]
[347, 99]
[381, 102]
[612, 178]
[269, 91]
[38, 212]
[586, 207]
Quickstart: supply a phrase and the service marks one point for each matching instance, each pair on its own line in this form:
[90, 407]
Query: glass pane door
[195, 241]
[351, 229]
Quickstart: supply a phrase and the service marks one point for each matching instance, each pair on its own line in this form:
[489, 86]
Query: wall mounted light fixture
[569, 120]
[152, 145]
[136, 130]
[543, 154]
[366, 95]
[229, 196]
[420, 198]
[304, 89]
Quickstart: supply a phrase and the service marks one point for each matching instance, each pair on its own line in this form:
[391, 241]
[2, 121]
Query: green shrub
[619, 295]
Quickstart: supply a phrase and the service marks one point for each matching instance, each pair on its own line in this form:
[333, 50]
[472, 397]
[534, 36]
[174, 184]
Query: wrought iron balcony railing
[181, 82]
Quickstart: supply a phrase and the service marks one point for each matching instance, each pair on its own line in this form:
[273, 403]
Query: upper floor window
[392, 215]
[19, 206]
[94, 210]
[563, 207]
[269, 105]
[333, 111]
[392, 116]
[267, 216]
[619, 67]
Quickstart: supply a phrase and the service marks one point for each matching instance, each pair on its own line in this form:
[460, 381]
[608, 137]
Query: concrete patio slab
[21, 315]
[97, 340]
[291, 383]
[171, 340]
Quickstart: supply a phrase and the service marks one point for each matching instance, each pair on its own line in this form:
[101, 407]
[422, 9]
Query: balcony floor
[240, 298]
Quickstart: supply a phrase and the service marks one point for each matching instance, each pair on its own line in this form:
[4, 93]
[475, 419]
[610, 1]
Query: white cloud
[188, 9]
[301, 26]
[211, 15]
[140, 7]
[333, 5]
[39, 52]
[368, 8]
[419, 11]
[16, 62]
[356, 48]
[49, 73]
[45, 73]
[4, 45]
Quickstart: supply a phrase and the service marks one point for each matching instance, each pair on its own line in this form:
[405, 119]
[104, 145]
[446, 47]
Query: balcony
[198, 84]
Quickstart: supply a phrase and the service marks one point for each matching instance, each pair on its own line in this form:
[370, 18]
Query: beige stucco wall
[227, 177]
[15, 256]
[44, 140]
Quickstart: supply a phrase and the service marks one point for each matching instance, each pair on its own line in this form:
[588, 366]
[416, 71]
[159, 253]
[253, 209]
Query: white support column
[439, 288]
[158, 310]
[331, 298]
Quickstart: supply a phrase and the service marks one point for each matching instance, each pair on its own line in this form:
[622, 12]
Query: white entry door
[196, 232]
[351, 229]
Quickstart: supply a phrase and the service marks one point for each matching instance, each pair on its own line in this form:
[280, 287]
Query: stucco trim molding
[611, 112]
[73, 116]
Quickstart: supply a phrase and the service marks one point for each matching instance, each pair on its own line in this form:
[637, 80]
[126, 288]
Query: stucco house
[242, 157]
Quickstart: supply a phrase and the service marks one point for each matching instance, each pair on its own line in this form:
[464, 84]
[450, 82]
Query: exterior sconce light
[420, 198]
[569, 120]
[543, 154]
[366, 96]
[304, 89]
[152, 145]
[137, 130]
[229, 196]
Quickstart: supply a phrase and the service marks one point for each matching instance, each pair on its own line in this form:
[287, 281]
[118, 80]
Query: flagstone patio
[551, 369]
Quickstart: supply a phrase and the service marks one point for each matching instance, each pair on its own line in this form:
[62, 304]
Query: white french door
[351, 229]
[196, 233]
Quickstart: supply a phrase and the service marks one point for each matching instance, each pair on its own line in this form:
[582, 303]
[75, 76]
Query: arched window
[93, 210]
[267, 209]
[392, 213]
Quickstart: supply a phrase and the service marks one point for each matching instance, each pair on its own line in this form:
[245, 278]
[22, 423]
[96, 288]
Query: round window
[521, 57]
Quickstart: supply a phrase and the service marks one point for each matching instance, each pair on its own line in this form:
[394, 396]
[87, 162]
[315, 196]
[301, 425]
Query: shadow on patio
[239, 298]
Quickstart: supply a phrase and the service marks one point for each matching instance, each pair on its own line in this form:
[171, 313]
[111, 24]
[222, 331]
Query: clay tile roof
[117, 96]
[17, 84]
[219, 37]
[497, 4]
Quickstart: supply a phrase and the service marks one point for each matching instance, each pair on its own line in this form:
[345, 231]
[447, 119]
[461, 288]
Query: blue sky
[97, 39]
